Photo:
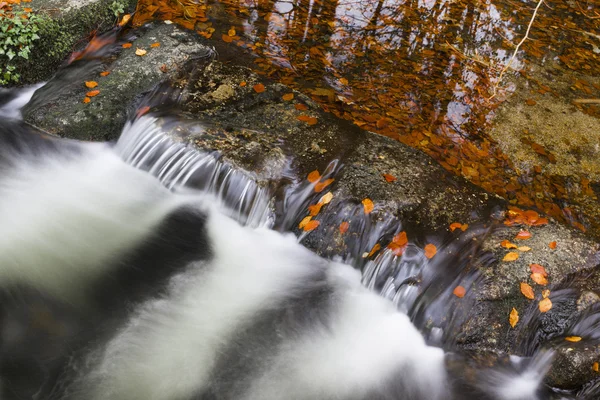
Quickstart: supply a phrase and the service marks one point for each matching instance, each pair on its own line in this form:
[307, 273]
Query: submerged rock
[260, 133]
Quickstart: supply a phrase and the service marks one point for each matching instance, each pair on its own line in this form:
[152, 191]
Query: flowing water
[366, 349]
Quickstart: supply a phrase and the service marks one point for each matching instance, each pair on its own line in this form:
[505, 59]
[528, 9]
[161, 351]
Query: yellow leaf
[304, 221]
[539, 279]
[527, 291]
[545, 293]
[326, 198]
[573, 339]
[511, 256]
[125, 19]
[231, 32]
[368, 205]
[508, 245]
[545, 305]
[140, 52]
[514, 317]
[524, 248]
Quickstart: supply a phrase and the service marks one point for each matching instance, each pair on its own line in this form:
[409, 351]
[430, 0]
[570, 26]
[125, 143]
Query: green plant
[18, 31]
[117, 7]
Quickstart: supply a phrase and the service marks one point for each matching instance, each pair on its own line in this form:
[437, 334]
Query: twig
[463, 55]
[516, 49]
[585, 15]
[586, 101]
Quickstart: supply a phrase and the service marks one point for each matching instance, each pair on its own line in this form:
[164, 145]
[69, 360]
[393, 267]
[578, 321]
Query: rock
[260, 134]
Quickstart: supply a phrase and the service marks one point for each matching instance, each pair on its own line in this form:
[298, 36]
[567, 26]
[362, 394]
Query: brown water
[423, 72]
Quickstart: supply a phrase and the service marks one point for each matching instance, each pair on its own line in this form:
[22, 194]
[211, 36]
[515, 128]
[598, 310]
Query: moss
[60, 36]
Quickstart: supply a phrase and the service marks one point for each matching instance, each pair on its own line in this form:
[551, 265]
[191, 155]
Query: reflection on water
[420, 71]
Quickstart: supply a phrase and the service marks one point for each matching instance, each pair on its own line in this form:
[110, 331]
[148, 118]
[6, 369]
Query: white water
[12, 109]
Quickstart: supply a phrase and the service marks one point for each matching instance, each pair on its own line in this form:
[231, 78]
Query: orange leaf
[311, 225]
[155, 45]
[573, 339]
[309, 120]
[541, 221]
[322, 185]
[243, 83]
[511, 256]
[596, 367]
[27, 9]
[368, 205]
[513, 317]
[455, 225]
[86, 100]
[464, 227]
[259, 88]
[344, 227]
[140, 52]
[400, 239]
[314, 176]
[92, 93]
[545, 305]
[523, 235]
[300, 107]
[231, 32]
[430, 250]
[459, 291]
[552, 245]
[374, 249]
[104, 73]
[124, 19]
[304, 221]
[390, 178]
[288, 96]
[142, 111]
[227, 38]
[527, 291]
[127, 45]
[539, 279]
[314, 209]
[538, 269]
[91, 84]
[343, 81]
[508, 245]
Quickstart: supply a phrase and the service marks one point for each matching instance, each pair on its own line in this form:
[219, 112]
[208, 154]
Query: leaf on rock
[127, 45]
[552, 245]
[259, 88]
[91, 84]
[527, 291]
[508, 245]
[512, 256]
[288, 96]
[92, 93]
[389, 178]
[86, 100]
[300, 107]
[596, 367]
[538, 269]
[545, 305]
[523, 235]
[155, 45]
[539, 279]
[140, 52]
[104, 73]
[524, 248]
[513, 318]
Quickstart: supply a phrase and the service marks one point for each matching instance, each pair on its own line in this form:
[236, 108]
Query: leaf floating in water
[140, 52]
[538, 269]
[545, 293]
[389, 178]
[92, 93]
[322, 185]
[304, 221]
[552, 245]
[459, 291]
[326, 198]
[344, 227]
[573, 339]
[314, 176]
[288, 96]
[513, 318]
[398, 244]
[430, 250]
[155, 45]
[86, 100]
[104, 73]
[545, 305]
[527, 291]
[368, 205]
[259, 88]
[523, 235]
[311, 225]
[127, 45]
[374, 249]
[539, 279]
[508, 245]
[91, 84]
[512, 256]
[314, 209]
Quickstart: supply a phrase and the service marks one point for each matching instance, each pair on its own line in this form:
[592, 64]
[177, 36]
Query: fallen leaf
[523, 235]
[374, 249]
[92, 93]
[573, 339]
[304, 221]
[595, 367]
[343, 81]
[308, 119]
[527, 291]
[464, 227]
[524, 248]
[530, 102]
[545, 305]
[28, 10]
[538, 269]
[140, 52]
[243, 83]
[86, 100]
[545, 293]
[508, 245]
[288, 96]
[430, 250]
[311, 225]
[155, 45]
[326, 198]
[539, 279]
[231, 32]
[344, 227]
[514, 317]
[511, 256]
[459, 291]
[259, 88]
[322, 185]
[455, 225]
[552, 245]
[142, 111]
[314, 209]
[227, 38]
[127, 45]
[541, 221]
[91, 84]
[301, 107]
[164, 68]
[104, 73]
[124, 19]
[314, 176]
[389, 178]
[368, 205]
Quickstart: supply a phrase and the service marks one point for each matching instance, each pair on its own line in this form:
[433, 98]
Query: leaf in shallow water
[326, 198]
[459, 291]
[573, 339]
[374, 249]
[513, 318]
[311, 225]
[368, 206]
[104, 73]
[527, 291]
[304, 221]
[322, 185]
[344, 227]
[545, 305]
[314, 176]
[430, 250]
[91, 84]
